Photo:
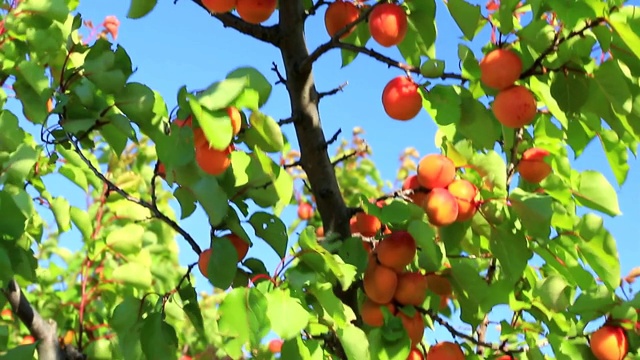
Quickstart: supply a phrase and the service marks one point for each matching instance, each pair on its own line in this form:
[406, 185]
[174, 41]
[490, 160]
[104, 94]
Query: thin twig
[293, 164]
[286, 121]
[333, 91]
[281, 78]
[332, 139]
[345, 157]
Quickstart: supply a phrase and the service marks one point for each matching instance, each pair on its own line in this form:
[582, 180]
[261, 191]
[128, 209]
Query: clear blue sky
[181, 44]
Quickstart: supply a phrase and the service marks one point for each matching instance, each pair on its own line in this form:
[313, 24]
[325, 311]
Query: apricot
[439, 284]
[465, 194]
[609, 343]
[212, 161]
[50, 105]
[162, 170]
[415, 354]
[441, 207]
[500, 68]
[305, 211]
[7, 313]
[219, 6]
[367, 225]
[242, 247]
[367, 245]
[236, 119]
[203, 261]
[506, 357]
[353, 225]
[256, 11]
[372, 314]
[275, 345]
[68, 337]
[445, 350]
[411, 289]
[320, 231]
[388, 24]
[184, 122]
[532, 166]
[414, 326]
[28, 339]
[412, 183]
[436, 171]
[339, 14]
[397, 250]
[379, 282]
[515, 107]
[401, 99]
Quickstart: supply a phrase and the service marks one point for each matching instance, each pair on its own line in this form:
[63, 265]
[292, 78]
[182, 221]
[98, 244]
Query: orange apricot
[256, 11]
[445, 350]
[242, 247]
[396, 250]
[184, 122]
[305, 211]
[436, 171]
[236, 119]
[338, 15]
[353, 225]
[441, 207]
[532, 166]
[418, 197]
[219, 6]
[371, 312]
[320, 231]
[515, 107]
[367, 245]
[609, 343]
[506, 357]
[411, 289]
[439, 284]
[275, 345]
[367, 225]
[401, 99]
[414, 326]
[203, 261]
[28, 339]
[465, 193]
[50, 105]
[415, 354]
[212, 161]
[379, 282]
[388, 24]
[500, 68]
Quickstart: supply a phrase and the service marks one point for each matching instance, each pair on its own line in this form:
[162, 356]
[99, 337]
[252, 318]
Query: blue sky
[181, 44]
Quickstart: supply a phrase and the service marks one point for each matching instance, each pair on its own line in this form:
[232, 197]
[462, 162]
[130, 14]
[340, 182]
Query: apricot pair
[241, 246]
[251, 11]
[372, 315]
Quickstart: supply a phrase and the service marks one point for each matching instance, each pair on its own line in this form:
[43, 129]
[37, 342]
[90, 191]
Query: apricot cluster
[241, 246]
[251, 11]
[444, 198]
[387, 284]
[514, 106]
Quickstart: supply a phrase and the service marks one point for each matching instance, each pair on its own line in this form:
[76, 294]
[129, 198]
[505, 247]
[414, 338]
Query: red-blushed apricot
[515, 107]
[388, 24]
[305, 211]
[445, 350]
[162, 170]
[439, 284]
[353, 225]
[367, 225]
[397, 250]
[242, 247]
[275, 345]
[338, 15]
[379, 282]
[236, 119]
[256, 11]
[203, 261]
[401, 99]
[68, 337]
[415, 354]
[219, 6]
[184, 122]
[411, 289]
[465, 193]
[441, 207]
[532, 166]
[412, 183]
[371, 312]
[506, 357]
[414, 326]
[6, 313]
[500, 68]
[609, 343]
[212, 161]
[320, 231]
[28, 339]
[436, 171]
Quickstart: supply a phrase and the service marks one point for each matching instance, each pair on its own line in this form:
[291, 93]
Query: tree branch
[332, 91]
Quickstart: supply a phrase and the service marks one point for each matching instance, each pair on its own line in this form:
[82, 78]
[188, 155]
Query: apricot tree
[494, 216]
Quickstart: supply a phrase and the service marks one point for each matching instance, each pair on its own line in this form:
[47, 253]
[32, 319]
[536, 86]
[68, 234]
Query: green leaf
[422, 18]
[535, 212]
[476, 123]
[493, 167]
[286, 314]
[354, 342]
[617, 154]
[599, 250]
[213, 199]
[126, 240]
[176, 149]
[20, 163]
[140, 8]
[264, 133]
[137, 102]
[216, 125]
[467, 16]
[222, 264]
[11, 134]
[359, 37]
[322, 261]
[595, 192]
[60, 207]
[75, 175]
[191, 307]
[388, 350]
[271, 228]
[619, 23]
[100, 349]
[243, 316]
[51, 9]
[594, 301]
[511, 251]
[432, 68]
[13, 221]
[133, 274]
[554, 293]
[158, 339]
[6, 270]
[221, 94]
[443, 103]
[430, 255]
[20, 352]
[186, 200]
[257, 82]
[570, 90]
[81, 220]
[538, 34]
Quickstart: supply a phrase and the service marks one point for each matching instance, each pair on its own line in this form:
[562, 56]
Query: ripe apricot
[441, 207]
[367, 225]
[338, 15]
[255, 11]
[465, 194]
[436, 171]
[388, 24]
[212, 161]
[414, 326]
[305, 211]
[609, 343]
[506, 357]
[353, 225]
[184, 122]
[203, 261]
[372, 314]
[242, 247]
[396, 250]
[401, 99]
[500, 68]
[412, 183]
[28, 339]
[219, 6]
[275, 345]
[50, 105]
[415, 354]
[445, 351]
[236, 119]
[320, 231]
[379, 282]
[439, 284]
[515, 107]
[367, 245]
[532, 166]
[411, 289]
